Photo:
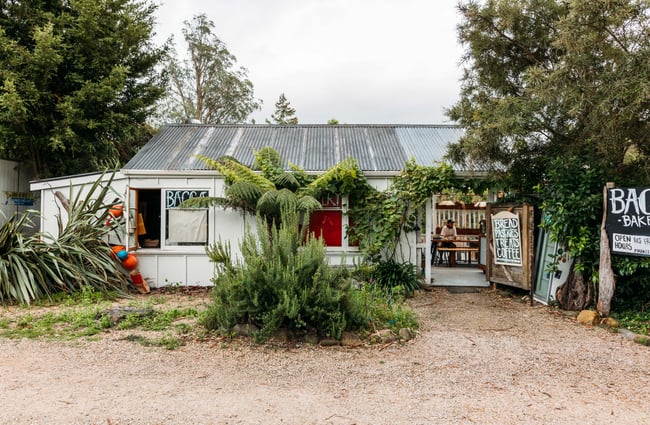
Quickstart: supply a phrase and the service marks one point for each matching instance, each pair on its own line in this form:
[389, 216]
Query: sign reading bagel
[506, 239]
[627, 220]
[173, 198]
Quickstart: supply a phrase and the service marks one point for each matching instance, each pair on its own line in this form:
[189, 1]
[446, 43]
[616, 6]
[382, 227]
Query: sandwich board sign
[627, 220]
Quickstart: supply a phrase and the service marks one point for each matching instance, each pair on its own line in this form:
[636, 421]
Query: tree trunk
[575, 294]
[606, 282]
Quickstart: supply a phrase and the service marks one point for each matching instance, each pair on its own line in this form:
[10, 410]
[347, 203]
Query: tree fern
[269, 161]
[286, 180]
[244, 195]
[307, 203]
[234, 172]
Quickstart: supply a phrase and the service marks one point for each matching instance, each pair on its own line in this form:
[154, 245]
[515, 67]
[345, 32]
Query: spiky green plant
[33, 266]
[19, 279]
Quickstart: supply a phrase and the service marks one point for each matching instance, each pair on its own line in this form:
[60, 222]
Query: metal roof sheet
[378, 148]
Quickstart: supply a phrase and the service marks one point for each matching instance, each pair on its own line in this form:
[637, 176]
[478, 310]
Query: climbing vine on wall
[380, 218]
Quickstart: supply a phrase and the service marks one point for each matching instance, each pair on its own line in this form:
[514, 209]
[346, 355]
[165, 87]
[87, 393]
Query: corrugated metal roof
[379, 148]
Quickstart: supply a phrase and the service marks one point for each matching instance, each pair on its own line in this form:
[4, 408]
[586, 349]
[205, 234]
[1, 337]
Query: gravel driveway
[480, 358]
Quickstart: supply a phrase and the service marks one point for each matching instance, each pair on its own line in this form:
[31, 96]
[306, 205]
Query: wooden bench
[468, 241]
[469, 250]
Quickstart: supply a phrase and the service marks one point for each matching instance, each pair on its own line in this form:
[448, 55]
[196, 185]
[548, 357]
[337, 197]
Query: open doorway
[149, 212]
[453, 242]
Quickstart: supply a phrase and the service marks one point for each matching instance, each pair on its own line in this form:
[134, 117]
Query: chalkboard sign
[173, 198]
[506, 239]
[627, 220]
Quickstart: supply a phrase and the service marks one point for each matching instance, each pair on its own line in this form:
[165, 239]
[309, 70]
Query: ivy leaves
[381, 217]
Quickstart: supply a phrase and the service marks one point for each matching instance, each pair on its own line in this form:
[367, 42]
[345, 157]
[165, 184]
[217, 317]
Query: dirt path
[479, 358]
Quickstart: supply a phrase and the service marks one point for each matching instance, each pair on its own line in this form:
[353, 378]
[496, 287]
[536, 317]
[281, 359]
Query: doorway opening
[452, 243]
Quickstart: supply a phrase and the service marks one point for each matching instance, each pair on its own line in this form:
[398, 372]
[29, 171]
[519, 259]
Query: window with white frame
[185, 226]
[156, 219]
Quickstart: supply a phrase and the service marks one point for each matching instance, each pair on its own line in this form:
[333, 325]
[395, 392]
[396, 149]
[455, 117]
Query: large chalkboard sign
[506, 239]
[627, 220]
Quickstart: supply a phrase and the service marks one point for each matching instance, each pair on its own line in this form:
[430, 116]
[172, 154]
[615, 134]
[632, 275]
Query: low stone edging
[592, 318]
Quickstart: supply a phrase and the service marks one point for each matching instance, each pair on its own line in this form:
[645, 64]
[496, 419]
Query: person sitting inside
[449, 232]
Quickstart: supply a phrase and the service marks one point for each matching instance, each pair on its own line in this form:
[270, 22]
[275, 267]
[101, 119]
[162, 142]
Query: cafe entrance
[452, 243]
[492, 243]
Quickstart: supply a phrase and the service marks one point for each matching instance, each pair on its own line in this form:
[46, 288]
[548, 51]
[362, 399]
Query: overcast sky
[359, 61]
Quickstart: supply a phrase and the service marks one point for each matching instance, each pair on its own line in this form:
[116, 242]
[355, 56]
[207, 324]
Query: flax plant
[38, 265]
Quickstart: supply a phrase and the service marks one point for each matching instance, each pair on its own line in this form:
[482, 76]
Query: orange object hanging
[116, 211]
[116, 249]
[130, 262]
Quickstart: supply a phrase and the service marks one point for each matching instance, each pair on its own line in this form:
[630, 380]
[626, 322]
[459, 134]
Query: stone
[350, 339]
[311, 338]
[386, 336]
[610, 322]
[406, 334]
[588, 317]
[283, 335]
[329, 342]
[120, 313]
[627, 334]
[642, 339]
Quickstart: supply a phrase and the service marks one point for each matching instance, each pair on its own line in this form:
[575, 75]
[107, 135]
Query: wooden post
[606, 283]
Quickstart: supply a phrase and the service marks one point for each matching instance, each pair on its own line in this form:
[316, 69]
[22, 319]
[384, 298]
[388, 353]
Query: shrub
[282, 281]
[396, 277]
[632, 291]
[372, 307]
[39, 265]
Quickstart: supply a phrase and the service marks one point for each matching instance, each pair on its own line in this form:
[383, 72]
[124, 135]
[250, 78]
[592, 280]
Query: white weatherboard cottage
[170, 242]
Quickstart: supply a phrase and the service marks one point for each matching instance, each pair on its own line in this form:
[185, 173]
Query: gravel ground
[479, 358]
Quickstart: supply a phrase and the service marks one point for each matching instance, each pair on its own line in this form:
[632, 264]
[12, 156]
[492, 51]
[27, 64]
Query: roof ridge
[310, 125]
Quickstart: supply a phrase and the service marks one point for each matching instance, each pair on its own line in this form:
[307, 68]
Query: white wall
[69, 187]
[181, 265]
[13, 178]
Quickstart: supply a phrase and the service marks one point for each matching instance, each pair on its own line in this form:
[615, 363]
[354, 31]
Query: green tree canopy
[548, 78]
[77, 82]
[284, 113]
[557, 94]
[208, 87]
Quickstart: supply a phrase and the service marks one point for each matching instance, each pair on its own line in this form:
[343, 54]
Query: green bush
[373, 308]
[281, 282]
[632, 291]
[396, 277]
